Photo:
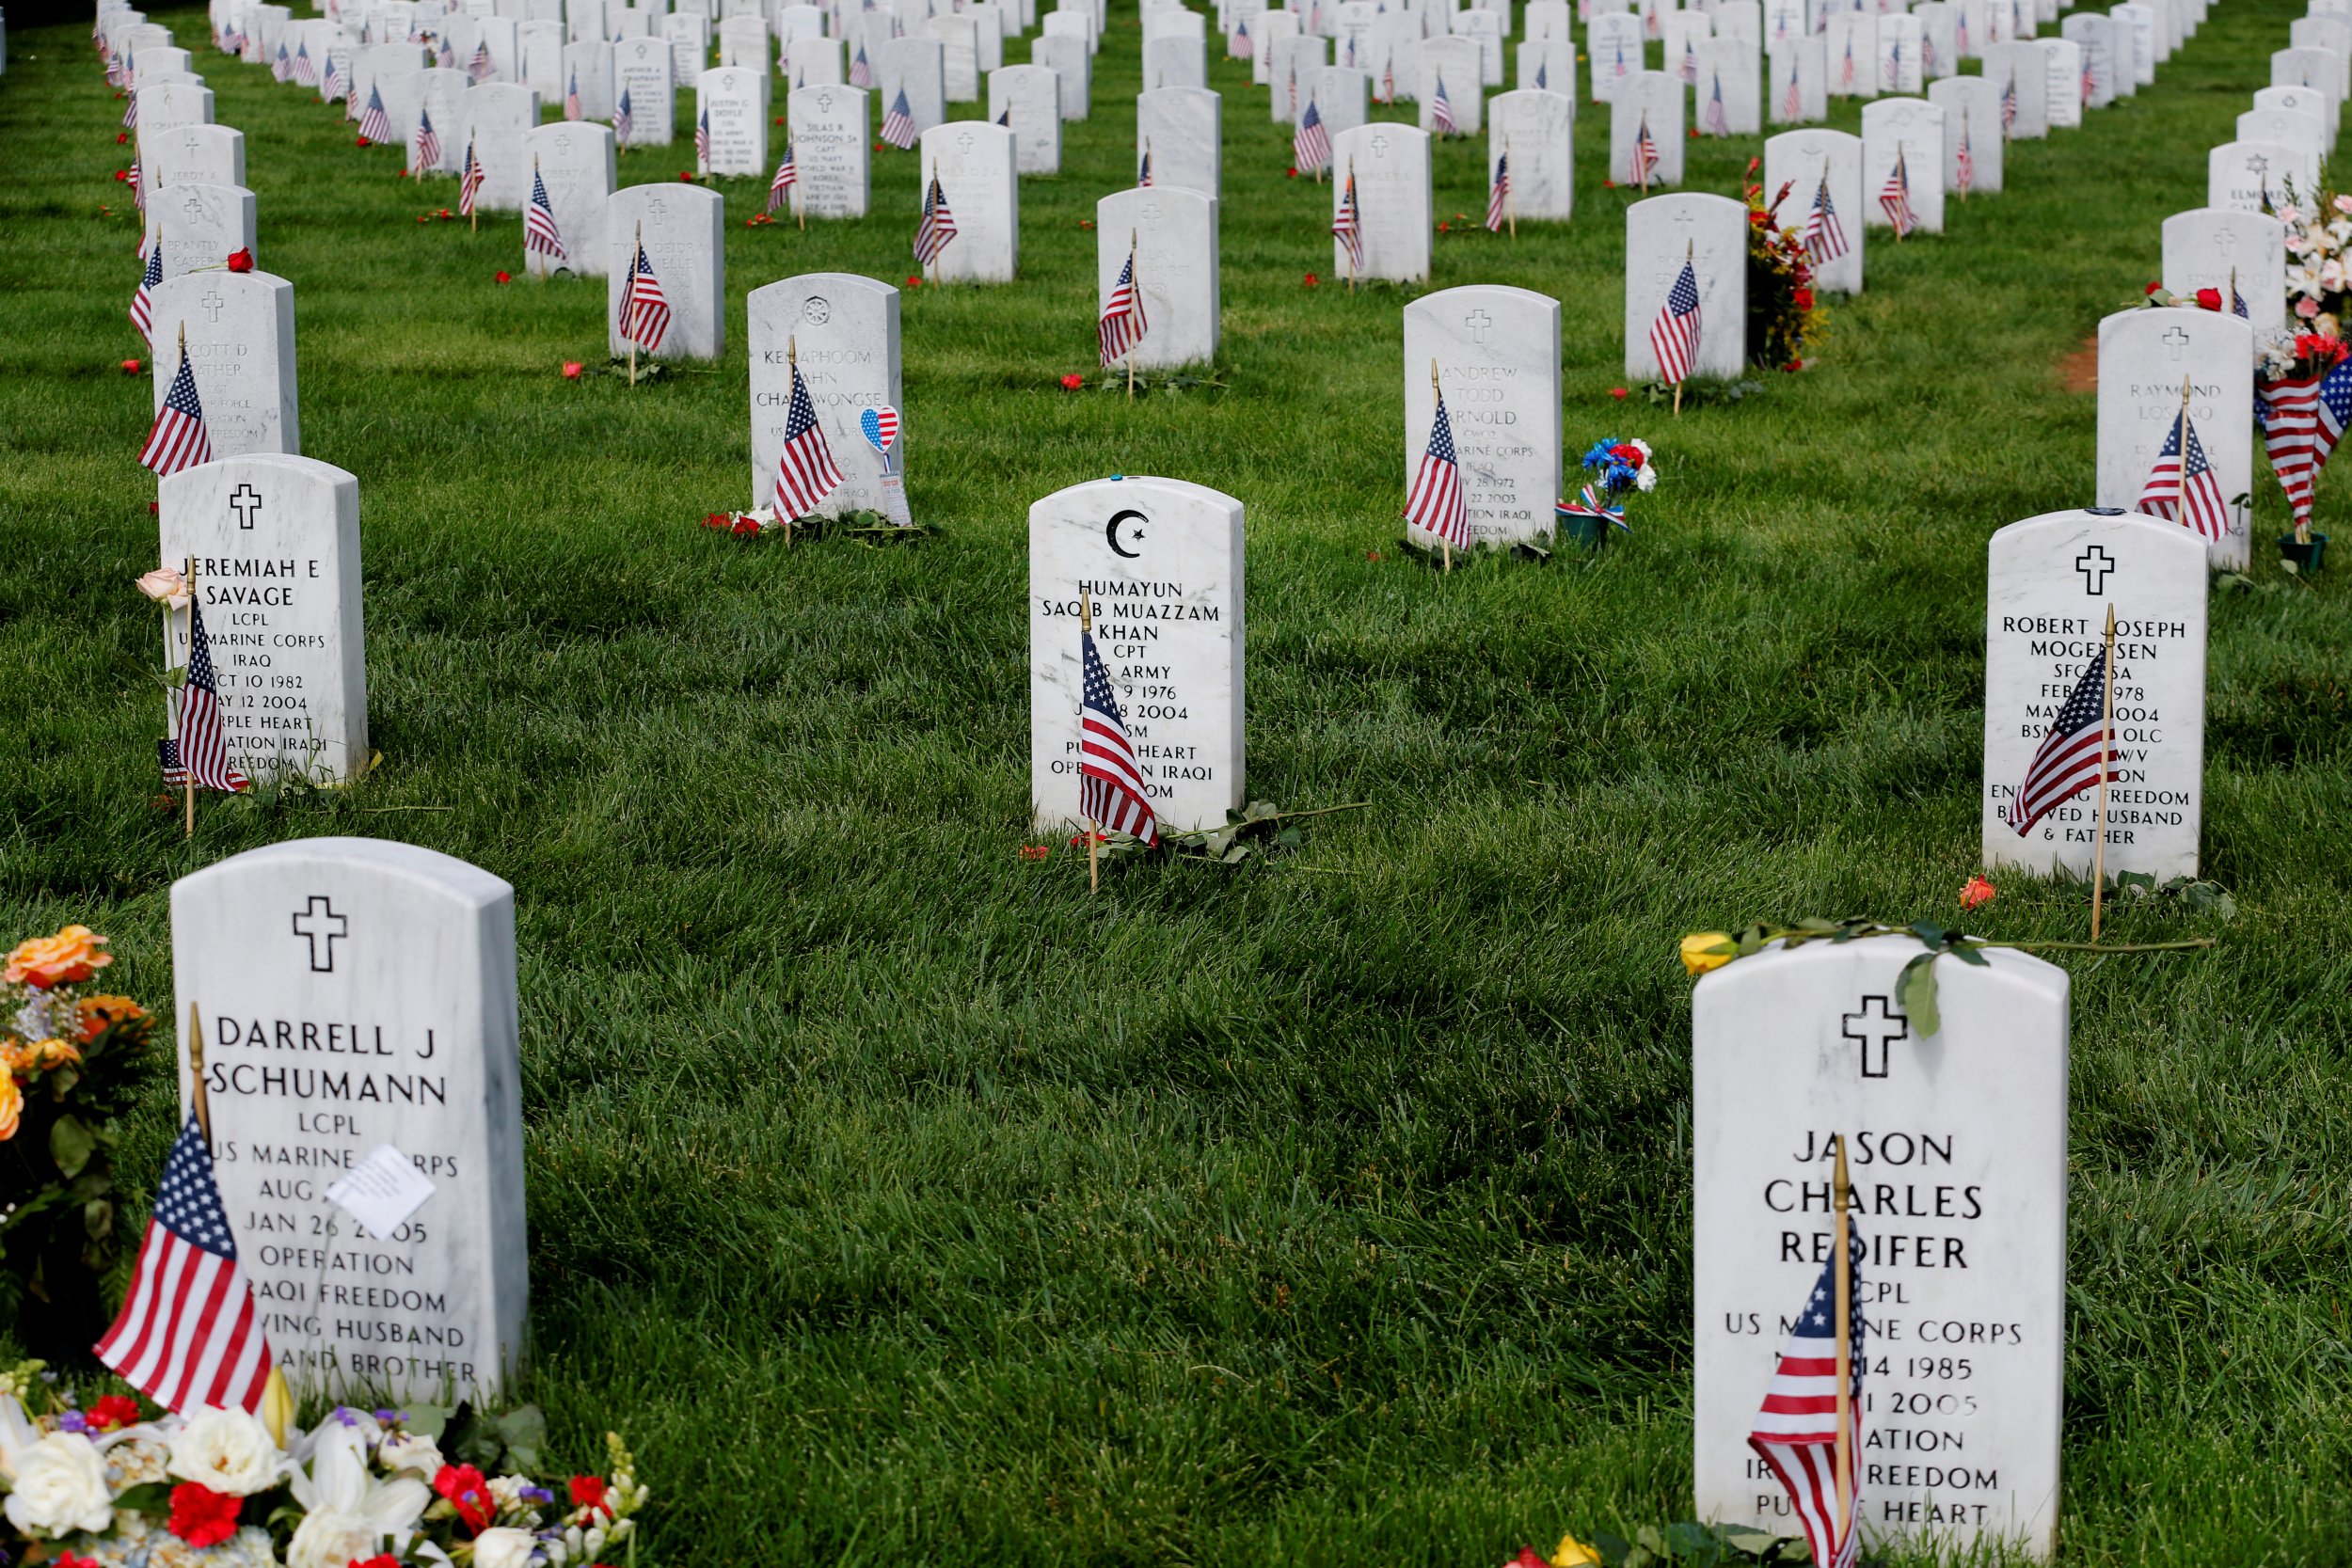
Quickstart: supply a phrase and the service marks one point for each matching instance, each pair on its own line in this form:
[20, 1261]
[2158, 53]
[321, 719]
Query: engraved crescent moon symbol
[1110, 532]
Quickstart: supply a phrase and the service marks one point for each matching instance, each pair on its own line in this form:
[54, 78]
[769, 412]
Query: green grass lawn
[899, 1199]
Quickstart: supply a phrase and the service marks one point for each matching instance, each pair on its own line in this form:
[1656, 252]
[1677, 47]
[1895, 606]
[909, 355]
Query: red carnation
[1804, 299]
[382, 1560]
[712, 519]
[361, 141]
[745, 527]
[687, 175]
[121, 175]
[506, 278]
[1629, 456]
[121, 136]
[916, 282]
[115, 1410]
[461, 1487]
[241, 260]
[129, 367]
[1618, 392]
[202, 1517]
[1608, 184]
[1071, 382]
[2209, 299]
[2152, 288]
[1292, 172]
[1445, 228]
[588, 1492]
[1313, 280]
[67, 1560]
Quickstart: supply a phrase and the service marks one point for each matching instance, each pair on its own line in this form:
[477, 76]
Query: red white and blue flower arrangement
[1614, 469]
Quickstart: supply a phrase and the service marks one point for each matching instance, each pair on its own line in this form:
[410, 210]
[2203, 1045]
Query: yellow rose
[97, 1012]
[43, 1054]
[73, 955]
[11, 1106]
[1575, 1554]
[1705, 950]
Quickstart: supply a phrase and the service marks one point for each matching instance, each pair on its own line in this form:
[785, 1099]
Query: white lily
[346, 1513]
[17, 1434]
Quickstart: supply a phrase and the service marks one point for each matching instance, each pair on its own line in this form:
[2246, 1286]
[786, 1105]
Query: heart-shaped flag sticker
[880, 426]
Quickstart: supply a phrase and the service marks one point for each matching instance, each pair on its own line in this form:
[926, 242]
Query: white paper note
[382, 1190]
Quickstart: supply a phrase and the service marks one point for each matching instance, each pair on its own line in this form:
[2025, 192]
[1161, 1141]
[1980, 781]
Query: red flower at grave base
[746, 527]
[1034, 851]
[202, 1517]
[759, 220]
[442, 213]
[779, 120]
[1372, 555]
[506, 278]
[915, 283]
[1445, 228]
[571, 369]
[1071, 382]
[129, 367]
[2209, 299]
[878, 147]
[113, 1410]
[687, 175]
[1086, 223]
[67, 1560]
[1313, 281]
[588, 1492]
[2152, 288]
[360, 141]
[1608, 184]
[1618, 392]
[121, 175]
[1793, 366]
[422, 218]
[400, 174]
[150, 509]
[1803, 298]
[121, 136]
[241, 260]
[1978, 894]
[382, 1560]
[1693, 133]
[715, 519]
[1292, 172]
[461, 1487]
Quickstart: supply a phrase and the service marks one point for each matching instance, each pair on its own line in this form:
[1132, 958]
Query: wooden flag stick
[200, 1099]
[1438, 393]
[473, 217]
[1511, 196]
[1094, 836]
[1357, 219]
[541, 255]
[2106, 752]
[1135, 294]
[792, 385]
[187, 770]
[628, 301]
[1842, 1266]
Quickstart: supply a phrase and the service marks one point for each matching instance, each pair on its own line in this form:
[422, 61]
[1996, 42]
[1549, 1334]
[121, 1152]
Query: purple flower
[73, 1420]
[537, 1495]
[388, 1416]
[344, 1414]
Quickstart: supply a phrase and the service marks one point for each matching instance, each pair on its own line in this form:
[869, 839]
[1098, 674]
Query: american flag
[426, 147]
[2008, 101]
[480, 68]
[195, 742]
[130, 110]
[1793, 103]
[701, 143]
[138, 192]
[1143, 170]
[1688, 71]
[1824, 236]
[1845, 71]
[540, 235]
[1110, 781]
[1121, 327]
[1644, 156]
[2069, 757]
[644, 310]
[899, 124]
[1622, 67]
[470, 180]
[1543, 75]
[571, 98]
[1964, 162]
[374, 125]
[1796, 1431]
[2237, 301]
[335, 85]
[1441, 111]
[1435, 502]
[788, 176]
[1895, 196]
[1718, 122]
[2089, 81]
[1005, 118]
[1674, 336]
[445, 55]
[861, 74]
[1894, 72]
[2302, 418]
[178, 439]
[1241, 47]
[1311, 149]
[623, 120]
[1498, 194]
[188, 1335]
[1959, 32]
[1347, 222]
[805, 474]
[1927, 51]
[937, 228]
[1388, 82]
[281, 68]
[143, 302]
[306, 71]
[2181, 486]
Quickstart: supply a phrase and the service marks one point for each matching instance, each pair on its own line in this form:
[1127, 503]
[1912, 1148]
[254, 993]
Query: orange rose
[98, 1012]
[11, 1105]
[74, 954]
[43, 1054]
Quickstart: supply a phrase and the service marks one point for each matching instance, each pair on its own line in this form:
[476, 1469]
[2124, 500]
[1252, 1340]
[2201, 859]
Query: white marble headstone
[1341, 96]
[1161, 560]
[1727, 66]
[2064, 98]
[2254, 176]
[2021, 62]
[577, 160]
[1939, 38]
[917, 67]
[1711, 233]
[2224, 248]
[1972, 117]
[642, 69]
[1537, 129]
[1452, 63]
[166, 104]
[241, 345]
[1901, 66]
[199, 224]
[2052, 579]
[1072, 68]
[1652, 99]
[684, 229]
[1800, 160]
[1614, 45]
[1911, 130]
[733, 101]
[1496, 354]
[2095, 33]
[1174, 232]
[2135, 45]
[497, 120]
[845, 329]
[2310, 100]
[2145, 357]
[1266, 29]
[689, 45]
[1391, 167]
[1851, 41]
[1956, 1149]
[973, 162]
[192, 154]
[831, 148]
[1797, 91]
[1183, 127]
[588, 66]
[2305, 133]
[1547, 65]
[1175, 61]
[1026, 99]
[357, 993]
[960, 58]
[1291, 78]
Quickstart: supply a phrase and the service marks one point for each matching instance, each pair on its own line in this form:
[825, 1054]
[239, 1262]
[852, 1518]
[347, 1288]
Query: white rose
[331, 1538]
[226, 1450]
[503, 1548]
[407, 1451]
[61, 1486]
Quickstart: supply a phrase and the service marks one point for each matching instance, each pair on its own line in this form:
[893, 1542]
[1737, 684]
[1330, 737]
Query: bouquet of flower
[112, 1488]
[2319, 259]
[68, 1058]
[1616, 469]
[1784, 316]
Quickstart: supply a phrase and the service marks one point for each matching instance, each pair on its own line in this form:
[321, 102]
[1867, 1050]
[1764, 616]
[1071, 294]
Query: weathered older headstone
[973, 162]
[1496, 354]
[1183, 129]
[1711, 233]
[1537, 131]
[201, 223]
[355, 993]
[2240, 255]
[188, 155]
[2146, 358]
[1389, 164]
[2053, 579]
[1615, 47]
[239, 330]
[1956, 1144]
[643, 70]
[577, 162]
[1910, 131]
[684, 232]
[2021, 65]
[1806, 161]
[1972, 121]
[1651, 101]
[1798, 92]
[1452, 63]
[2256, 177]
[845, 330]
[1161, 560]
[832, 151]
[917, 67]
[1173, 232]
